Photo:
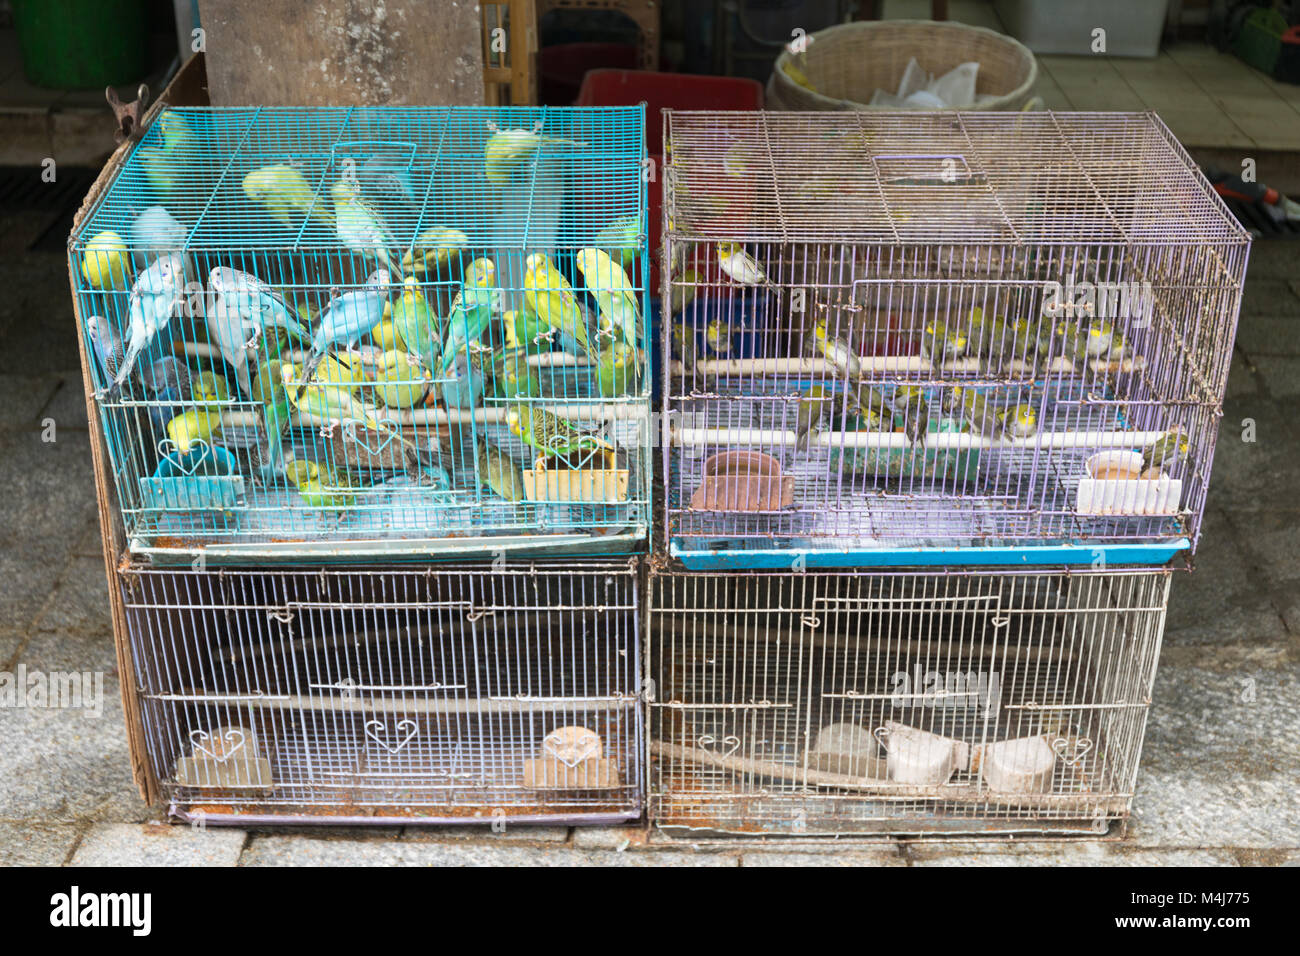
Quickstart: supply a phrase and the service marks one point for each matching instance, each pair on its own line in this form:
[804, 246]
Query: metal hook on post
[127, 115]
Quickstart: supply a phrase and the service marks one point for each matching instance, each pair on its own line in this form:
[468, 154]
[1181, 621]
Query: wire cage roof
[908, 177]
[196, 161]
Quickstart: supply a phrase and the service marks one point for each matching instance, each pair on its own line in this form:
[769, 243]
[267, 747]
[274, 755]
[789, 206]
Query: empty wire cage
[895, 335]
[434, 695]
[316, 331]
[858, 703]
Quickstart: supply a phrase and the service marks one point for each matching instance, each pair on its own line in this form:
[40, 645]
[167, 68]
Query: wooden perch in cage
[1086, 803]
[351, 699]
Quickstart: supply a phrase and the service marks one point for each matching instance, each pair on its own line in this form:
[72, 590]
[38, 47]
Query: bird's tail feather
[309, 368]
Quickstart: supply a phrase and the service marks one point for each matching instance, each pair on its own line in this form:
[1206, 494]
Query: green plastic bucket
[82, 44]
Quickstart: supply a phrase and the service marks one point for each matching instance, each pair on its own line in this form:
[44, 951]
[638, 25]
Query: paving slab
[1220, 761]
[67, 403]
[23, 396]
[1262, 335]
[158, 844]
[304, 851]
[513, 833]
[64, 765]
[1221, 601]
[1268, 295]
[28, 844]
[1258, 474]
[830, 856]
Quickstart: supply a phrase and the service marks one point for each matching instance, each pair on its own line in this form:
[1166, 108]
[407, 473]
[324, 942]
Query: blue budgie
[464, 381]
[155, 297]
[243, 307]
[346, 319]
[471, 312]
[168, 381]
[361, 227]
[155, 232]
[106, 345]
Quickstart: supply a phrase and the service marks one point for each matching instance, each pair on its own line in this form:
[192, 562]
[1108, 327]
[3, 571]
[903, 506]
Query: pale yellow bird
[616, 296]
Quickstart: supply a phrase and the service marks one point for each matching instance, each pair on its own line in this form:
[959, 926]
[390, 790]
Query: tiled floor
[1208, 98]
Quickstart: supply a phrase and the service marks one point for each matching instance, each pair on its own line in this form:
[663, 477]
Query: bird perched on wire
[283, 192]
[347, 318]
[416, 324]
[499, 472]
[550, 297]
[508, 149]
[868, 403]
[553, 435]
[525, 330]
[910, 402]
[433, 250]
[328, 403]
[615, 295]
[1166, 451]
[362, 227]
[616, 369]
[812, 408]
[242, 308]
[621, 238]
[686, 348]
[836, 351]
[156, 232]
[740, 267]
[941, 344]
[106, 346]
[1019, 421]
[155, 297]
[974, 410]
[478, 300]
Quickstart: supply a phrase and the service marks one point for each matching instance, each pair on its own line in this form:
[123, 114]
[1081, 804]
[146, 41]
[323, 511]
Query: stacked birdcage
[970, 341]
[379, 338]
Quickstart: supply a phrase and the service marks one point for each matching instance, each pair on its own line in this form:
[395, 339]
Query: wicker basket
[846, 64]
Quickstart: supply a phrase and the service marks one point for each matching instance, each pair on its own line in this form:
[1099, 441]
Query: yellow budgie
[549, 295]
[327, 403]
[615, 294]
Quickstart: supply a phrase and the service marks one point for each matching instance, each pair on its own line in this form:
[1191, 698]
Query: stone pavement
[1219, 768]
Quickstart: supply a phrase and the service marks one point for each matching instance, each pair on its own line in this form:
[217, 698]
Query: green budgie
[282, 192]
[361, 226]
[509, 149]
[614, 293]
[471, 312]
[621, 239]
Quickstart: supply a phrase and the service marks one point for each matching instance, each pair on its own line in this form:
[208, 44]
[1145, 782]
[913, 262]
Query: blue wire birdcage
[940, 339]
[334, 331]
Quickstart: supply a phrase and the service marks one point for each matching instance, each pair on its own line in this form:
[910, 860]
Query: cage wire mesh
[861, 702]
[377, 329]
[440, 694]
[902, 331]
